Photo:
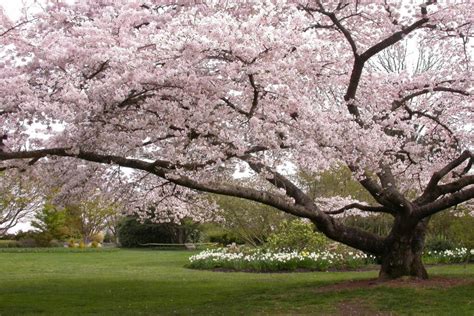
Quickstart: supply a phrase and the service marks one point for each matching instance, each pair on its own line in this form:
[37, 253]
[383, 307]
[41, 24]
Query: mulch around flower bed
[404, 282]
[370, 267]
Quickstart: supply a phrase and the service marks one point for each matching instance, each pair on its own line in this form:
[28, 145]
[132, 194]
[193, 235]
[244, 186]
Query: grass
[56, 250]
[144, 282]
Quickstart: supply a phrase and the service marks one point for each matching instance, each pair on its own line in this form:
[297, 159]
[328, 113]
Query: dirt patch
[357, 308]
[298, 270]
[434, 282]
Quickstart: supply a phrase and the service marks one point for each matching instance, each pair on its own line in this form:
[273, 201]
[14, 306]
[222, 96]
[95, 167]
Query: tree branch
[348, 235]
[398, 103]
[444, 203]
[431, 192]
[15, 27]
[392, 39]
[359, 62]
[362, 207]
[457, 185]
[234, 107]
[391, 192]
[343, 30]
[256, 93]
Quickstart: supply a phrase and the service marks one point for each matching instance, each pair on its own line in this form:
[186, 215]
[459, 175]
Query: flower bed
[265, 261]
[459, 255]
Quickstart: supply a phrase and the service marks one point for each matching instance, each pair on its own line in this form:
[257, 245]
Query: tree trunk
[403, 253]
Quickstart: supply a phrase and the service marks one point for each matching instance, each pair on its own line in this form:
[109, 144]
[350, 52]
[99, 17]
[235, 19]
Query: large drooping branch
[159, 168]
[332, 228]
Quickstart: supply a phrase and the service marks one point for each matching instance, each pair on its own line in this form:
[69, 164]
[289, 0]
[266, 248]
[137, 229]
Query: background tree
[249, 221]
[338, 182]
[88, 218]
[19, 199]
[188, 92]
[51, 223]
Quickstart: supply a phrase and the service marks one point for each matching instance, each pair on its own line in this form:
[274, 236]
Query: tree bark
[403, 252]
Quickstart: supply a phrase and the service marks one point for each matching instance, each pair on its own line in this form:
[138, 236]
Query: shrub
[133, 233]
[439, 243]
[55, 243]
[27, 243]
[9, 244]
[379, 224]
[296, 235]
[98, 238]
[224, 238]
[463, 229]
[109, 237]
[71, 243]
[455, 226]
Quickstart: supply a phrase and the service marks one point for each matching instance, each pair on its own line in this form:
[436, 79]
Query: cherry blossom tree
[19, 199]
[186, 92]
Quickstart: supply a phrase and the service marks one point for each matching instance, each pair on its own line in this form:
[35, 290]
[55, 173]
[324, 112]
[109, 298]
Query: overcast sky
[13, 8]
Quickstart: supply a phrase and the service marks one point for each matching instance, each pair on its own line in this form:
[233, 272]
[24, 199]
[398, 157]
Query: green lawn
[137, 282]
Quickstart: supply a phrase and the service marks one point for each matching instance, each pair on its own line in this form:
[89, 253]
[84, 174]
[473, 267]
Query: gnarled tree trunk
[403, 252]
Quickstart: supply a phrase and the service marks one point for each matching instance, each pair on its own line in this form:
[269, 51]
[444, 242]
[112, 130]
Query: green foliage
[133, 233]
[27, 242]
[246, 221]
[297, 235]
[56, 243]
[88, 218]
[455, 226]
[84, 220]
[51, 222]
[334, 182]
[222, 236]
[9, 244]
[438, 243]
[463, 229]
[379, 224]
[440, 225]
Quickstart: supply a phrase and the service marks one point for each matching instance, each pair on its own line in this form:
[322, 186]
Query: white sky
[13, 7]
